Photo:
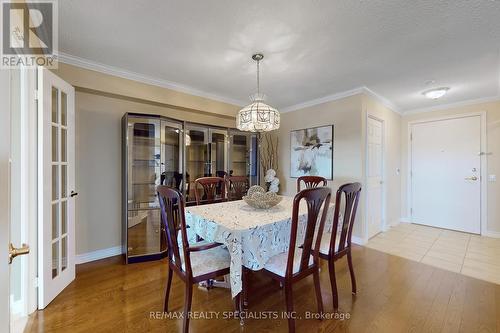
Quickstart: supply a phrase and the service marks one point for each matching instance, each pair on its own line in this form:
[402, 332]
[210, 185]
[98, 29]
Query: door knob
[14, 252]
[73, 194]
[474, 178]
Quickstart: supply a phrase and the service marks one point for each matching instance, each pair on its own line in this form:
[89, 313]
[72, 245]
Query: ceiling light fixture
[436, 92]
[258, 116]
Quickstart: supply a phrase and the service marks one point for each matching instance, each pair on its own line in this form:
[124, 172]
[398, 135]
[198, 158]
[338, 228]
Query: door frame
[385, 225]
[483, 161]
[28, 154]
[4, 200]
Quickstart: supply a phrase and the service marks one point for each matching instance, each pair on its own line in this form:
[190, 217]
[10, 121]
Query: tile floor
[468, 254]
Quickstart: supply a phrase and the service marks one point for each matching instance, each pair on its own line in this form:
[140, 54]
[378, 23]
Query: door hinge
[35, 282]
[411, 136]
[36, 94]
[411, 211]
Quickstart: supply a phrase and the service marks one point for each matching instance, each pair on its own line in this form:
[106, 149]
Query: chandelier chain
[258, 76]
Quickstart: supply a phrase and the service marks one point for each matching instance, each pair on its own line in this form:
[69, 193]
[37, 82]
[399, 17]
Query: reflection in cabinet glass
[243, 156]
[157, 150]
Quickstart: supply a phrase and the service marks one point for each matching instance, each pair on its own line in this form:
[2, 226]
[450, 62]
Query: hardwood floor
[394, 295]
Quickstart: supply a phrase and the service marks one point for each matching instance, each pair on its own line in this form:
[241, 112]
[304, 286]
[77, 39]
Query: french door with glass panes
[56, 177]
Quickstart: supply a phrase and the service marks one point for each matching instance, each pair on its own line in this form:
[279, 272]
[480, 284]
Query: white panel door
[374, 190]
[445, 174]
[56, 228]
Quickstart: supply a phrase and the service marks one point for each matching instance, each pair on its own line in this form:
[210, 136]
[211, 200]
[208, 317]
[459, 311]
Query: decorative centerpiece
[257, 197]
[272, 181]
[268, 156]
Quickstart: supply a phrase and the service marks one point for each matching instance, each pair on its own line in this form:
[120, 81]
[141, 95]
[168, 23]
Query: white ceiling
[312, 48]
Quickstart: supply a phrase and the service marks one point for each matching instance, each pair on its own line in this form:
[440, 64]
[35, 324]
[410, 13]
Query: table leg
[244, 287]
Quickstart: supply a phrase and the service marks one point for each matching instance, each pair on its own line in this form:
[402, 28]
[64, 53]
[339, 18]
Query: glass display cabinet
[152, 155]
[243, 156]
[162, 151]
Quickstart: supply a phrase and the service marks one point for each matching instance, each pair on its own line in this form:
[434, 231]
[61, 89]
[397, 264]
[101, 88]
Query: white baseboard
[405, 220]
[492, 234]
[389, 225]
[98, 254]
[358, 240]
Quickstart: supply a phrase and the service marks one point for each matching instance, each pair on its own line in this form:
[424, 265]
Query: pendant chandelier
[258, 116]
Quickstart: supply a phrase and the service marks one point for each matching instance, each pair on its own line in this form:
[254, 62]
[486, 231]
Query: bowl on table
[258, 198]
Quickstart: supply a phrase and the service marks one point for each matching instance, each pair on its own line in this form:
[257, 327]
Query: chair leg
[333, 282]
[317, 286]
[351, 270]
[289, 307]
[187, 306]
[167, 291]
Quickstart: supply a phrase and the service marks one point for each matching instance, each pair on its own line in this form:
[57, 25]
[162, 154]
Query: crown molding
[126, 74]
[453, 105]
[348, 93]
[325, 99]
[382, 100]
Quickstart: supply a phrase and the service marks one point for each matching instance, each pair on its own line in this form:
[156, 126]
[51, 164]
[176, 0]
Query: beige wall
[348, 115]
[392, 155]
[98, 144]
[345, 115]
[492, 110]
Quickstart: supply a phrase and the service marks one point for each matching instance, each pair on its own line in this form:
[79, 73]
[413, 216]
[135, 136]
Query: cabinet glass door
[197, 158]
[172, 143]
[243, 156]
[143, 151]
[218, 152]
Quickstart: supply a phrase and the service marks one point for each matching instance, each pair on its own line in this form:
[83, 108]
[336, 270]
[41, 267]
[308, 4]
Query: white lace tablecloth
[251, 235]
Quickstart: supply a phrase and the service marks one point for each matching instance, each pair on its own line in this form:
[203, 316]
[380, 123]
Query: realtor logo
[29, 33]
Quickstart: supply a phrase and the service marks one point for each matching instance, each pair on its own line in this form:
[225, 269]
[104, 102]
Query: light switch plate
[492, 178]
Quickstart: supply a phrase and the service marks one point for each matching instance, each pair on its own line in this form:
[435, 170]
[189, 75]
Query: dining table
[252, 236]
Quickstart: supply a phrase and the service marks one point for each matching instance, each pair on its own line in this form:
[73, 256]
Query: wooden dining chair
[337, 243]
[237, 187]
[310, 182]
[193, 263]
[302, 260]
[214, 190]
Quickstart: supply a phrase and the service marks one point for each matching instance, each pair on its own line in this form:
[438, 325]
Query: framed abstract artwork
[312, 152]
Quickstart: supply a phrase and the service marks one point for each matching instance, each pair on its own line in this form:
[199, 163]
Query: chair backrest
[214, 190]
[220, 174]
[237, 187]
[351, 193]
[317, 200]
[173, 221]
[311, 182]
